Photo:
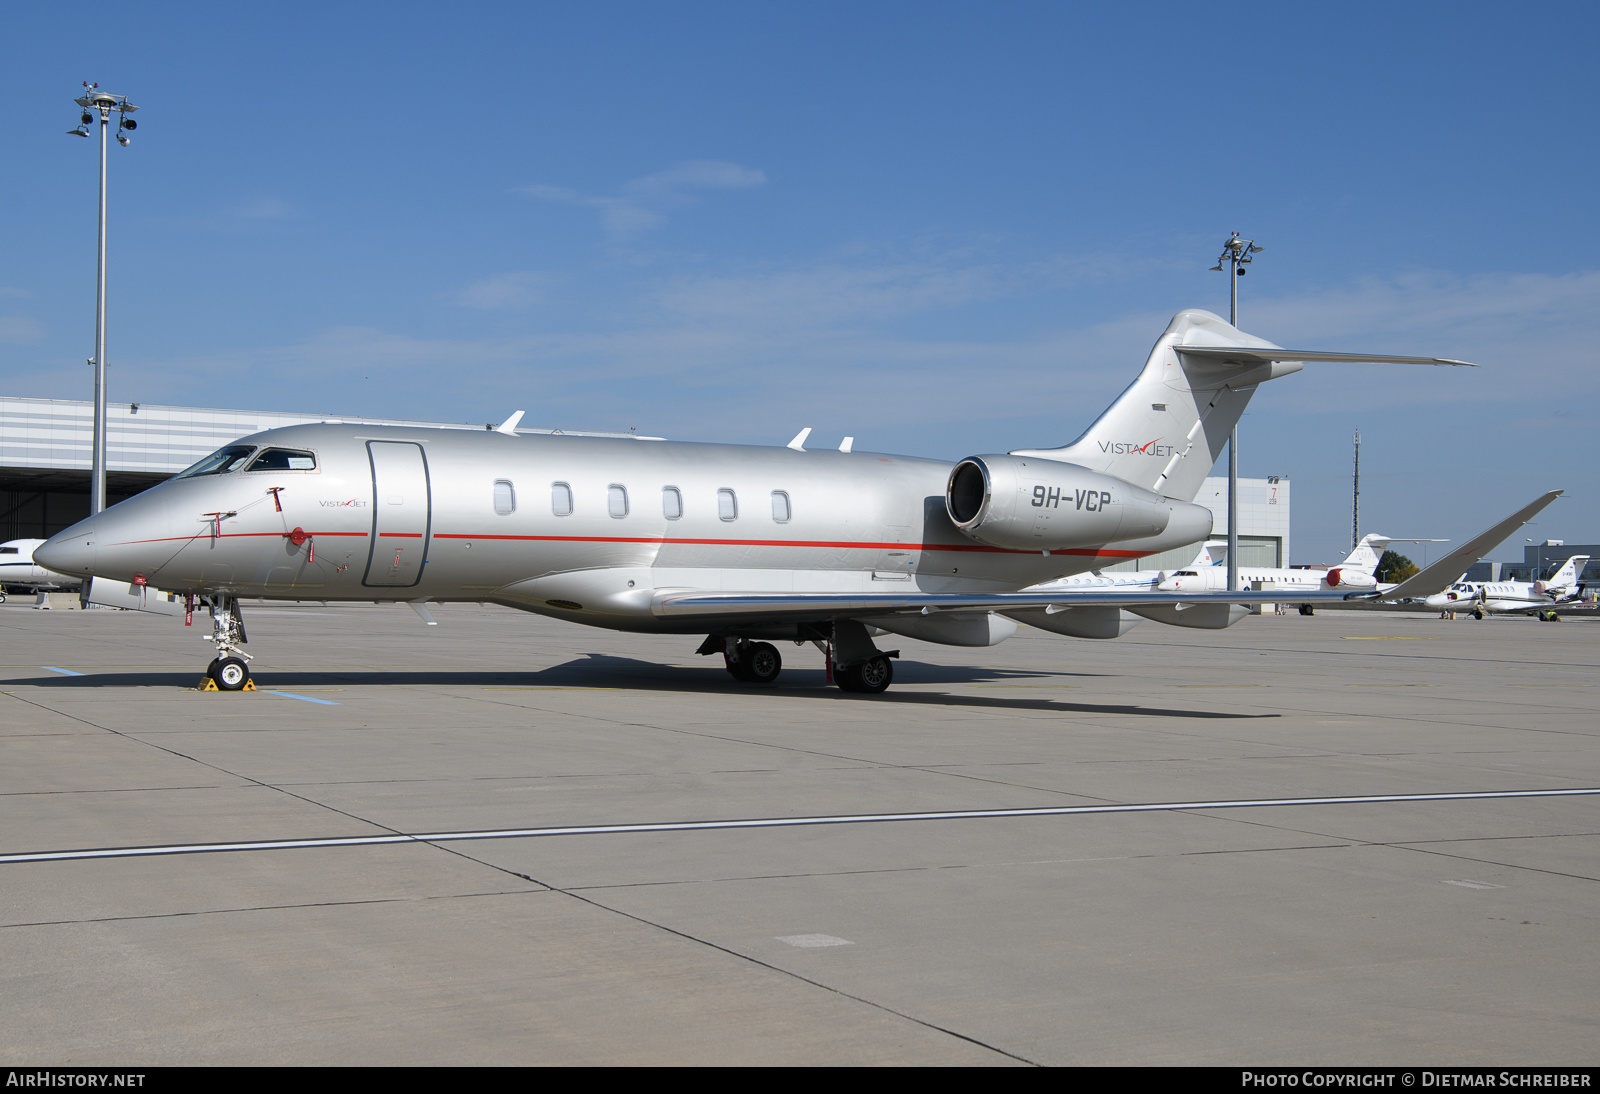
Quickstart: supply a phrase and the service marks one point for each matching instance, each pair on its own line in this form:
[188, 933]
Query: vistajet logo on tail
[1149, 448]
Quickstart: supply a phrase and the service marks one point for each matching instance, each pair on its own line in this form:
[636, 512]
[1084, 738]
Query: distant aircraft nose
[69, 552]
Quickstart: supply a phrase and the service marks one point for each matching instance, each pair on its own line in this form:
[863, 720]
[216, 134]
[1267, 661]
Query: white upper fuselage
[447, 514]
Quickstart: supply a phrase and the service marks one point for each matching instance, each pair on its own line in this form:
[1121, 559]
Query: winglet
[799, 442]
[509, 426]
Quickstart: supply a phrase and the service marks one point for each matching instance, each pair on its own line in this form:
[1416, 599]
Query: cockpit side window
[283, 459]
[221, 462]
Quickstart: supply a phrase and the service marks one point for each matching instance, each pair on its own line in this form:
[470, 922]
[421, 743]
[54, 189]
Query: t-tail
[1567, 577]
[1367, 555]
[1167, 430]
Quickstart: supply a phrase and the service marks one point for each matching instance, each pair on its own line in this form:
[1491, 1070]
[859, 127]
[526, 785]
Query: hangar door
[402, 513]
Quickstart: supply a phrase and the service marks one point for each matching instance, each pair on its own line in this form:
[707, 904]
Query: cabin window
[561, 499]
[505, 497]
[671, 503]
[780, 507]
[617, 500]
[220, 462]
[283, 459]
[727, 505]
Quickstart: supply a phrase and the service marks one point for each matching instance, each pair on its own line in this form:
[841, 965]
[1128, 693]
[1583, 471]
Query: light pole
[94, 99]
[1236, 251]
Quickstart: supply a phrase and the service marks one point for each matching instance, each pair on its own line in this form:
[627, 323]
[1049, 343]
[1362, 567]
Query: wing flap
[683, 604]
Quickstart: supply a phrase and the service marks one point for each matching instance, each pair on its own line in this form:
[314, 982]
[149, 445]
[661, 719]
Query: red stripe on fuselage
[845, 544]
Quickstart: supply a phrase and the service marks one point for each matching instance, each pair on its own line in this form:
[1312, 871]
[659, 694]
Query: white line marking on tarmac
[812, 941]
[766, 822]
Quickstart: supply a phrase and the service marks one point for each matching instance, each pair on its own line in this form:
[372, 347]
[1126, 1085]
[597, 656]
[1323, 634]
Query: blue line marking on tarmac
[63, 672]
[292, 695]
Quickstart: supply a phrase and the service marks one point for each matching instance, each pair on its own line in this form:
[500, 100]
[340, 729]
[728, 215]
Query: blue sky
[943, 229]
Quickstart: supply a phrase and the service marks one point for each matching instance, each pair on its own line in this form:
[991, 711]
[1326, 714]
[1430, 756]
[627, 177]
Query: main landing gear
[856, 664]
[752, 662]
[230, 670]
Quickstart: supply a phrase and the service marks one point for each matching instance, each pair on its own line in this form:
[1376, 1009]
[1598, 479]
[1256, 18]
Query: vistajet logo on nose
[1149, 448]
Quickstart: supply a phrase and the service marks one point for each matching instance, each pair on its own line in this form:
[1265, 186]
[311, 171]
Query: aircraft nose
[69, 552]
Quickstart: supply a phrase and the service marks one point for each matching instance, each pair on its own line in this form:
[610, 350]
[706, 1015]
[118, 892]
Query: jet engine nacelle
[1031, 504]
[1340, 578]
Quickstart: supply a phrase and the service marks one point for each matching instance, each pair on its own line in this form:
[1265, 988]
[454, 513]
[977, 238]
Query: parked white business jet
[739, 543]
[19, 572]
[1480, 598]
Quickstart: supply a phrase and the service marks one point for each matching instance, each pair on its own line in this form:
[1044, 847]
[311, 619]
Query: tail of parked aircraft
[1205, 558]
[1567, 576]
[1166, 431]
[1367, 555]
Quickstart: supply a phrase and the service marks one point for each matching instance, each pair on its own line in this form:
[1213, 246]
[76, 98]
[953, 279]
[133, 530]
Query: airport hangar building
[46, 446]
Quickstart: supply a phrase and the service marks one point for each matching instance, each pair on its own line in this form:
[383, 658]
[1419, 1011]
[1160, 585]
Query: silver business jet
[747, 545]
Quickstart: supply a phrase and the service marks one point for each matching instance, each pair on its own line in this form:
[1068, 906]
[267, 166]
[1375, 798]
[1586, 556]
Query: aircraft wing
[1438, 577]
[678, 604]
[1254, 355]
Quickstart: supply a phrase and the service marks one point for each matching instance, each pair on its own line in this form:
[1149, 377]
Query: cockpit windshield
[220, 462]
[283, 459]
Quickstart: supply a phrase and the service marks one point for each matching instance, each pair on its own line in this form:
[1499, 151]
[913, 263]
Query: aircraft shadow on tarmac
[606, 671]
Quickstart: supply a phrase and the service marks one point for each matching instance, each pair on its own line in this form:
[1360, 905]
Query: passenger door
[402, 514]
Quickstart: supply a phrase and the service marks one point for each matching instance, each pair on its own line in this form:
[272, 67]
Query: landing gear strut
[230, 671]
[858, 665]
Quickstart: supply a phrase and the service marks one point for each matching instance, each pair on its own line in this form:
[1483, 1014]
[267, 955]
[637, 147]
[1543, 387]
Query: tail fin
[1205, 558]
[1167, 429]
[1367, 555]
[1567, 576]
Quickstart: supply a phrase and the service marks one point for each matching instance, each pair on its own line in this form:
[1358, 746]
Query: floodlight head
[122, 140]
[1217, 267]
[86, 117]
[78, 132]
[128, 123]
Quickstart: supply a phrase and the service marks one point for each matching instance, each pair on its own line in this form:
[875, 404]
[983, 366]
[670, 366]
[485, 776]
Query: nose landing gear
[230, 670]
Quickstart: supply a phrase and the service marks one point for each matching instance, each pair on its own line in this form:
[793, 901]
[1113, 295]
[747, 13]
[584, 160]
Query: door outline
[378, 511]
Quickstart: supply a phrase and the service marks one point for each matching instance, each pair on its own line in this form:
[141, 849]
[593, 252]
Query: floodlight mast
[94, 99]
[1237, 252]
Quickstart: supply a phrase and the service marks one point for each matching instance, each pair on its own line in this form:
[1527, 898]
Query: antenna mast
[1355, 499]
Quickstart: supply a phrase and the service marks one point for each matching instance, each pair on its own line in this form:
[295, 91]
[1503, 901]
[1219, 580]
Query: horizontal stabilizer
[1250, 355]
[1437, 577]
